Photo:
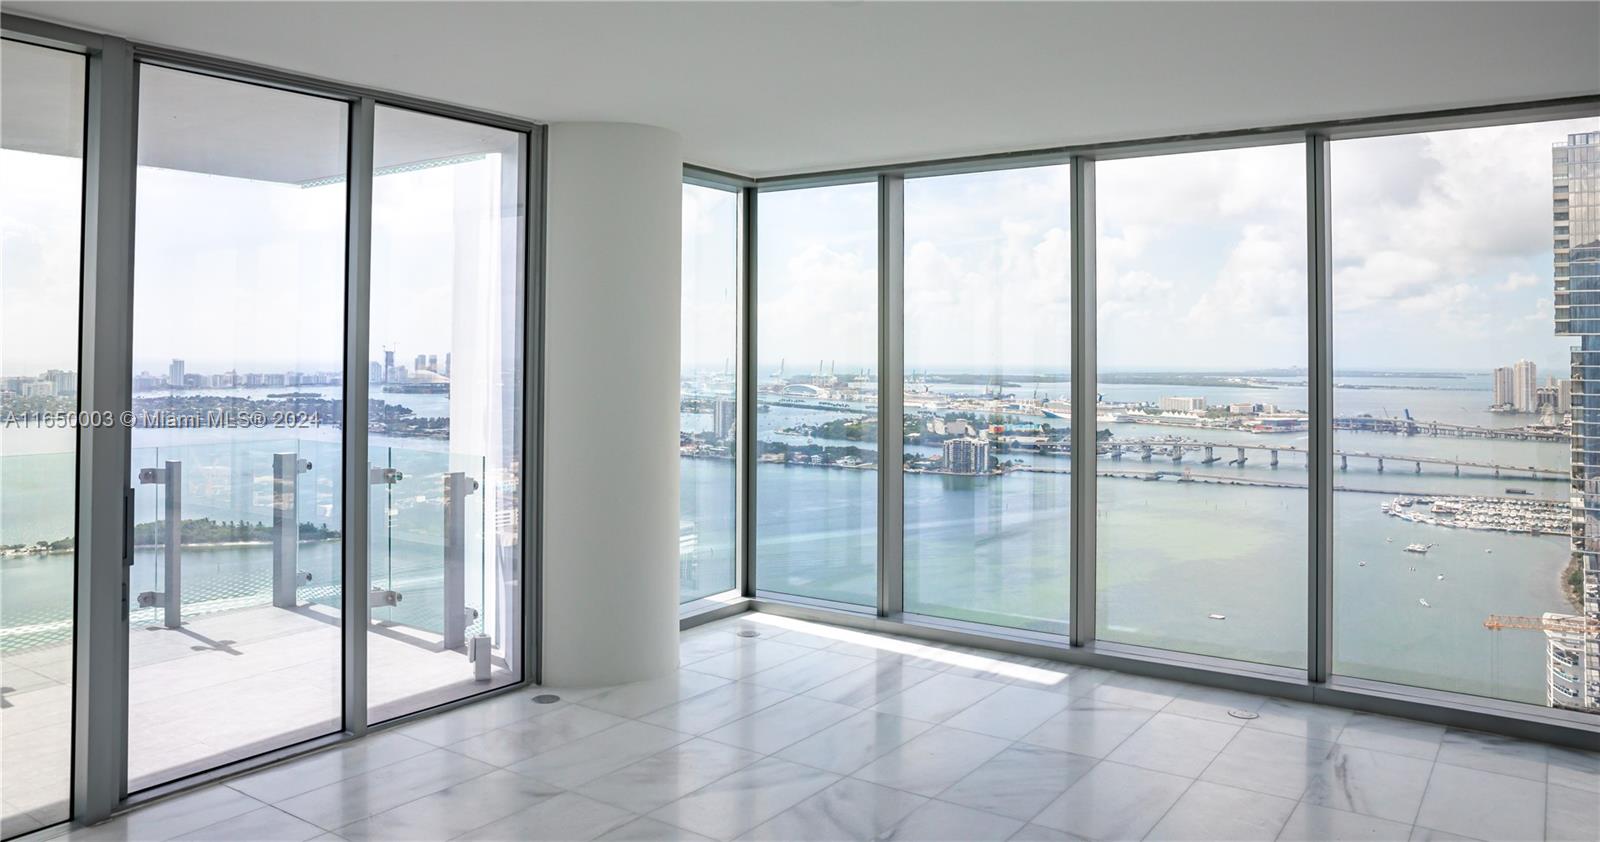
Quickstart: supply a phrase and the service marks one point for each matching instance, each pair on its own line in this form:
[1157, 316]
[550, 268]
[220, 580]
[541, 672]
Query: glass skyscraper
[1574, 674]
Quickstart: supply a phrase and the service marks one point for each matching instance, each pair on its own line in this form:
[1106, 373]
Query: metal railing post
[286, 575]
[456, 488]
[170, 598]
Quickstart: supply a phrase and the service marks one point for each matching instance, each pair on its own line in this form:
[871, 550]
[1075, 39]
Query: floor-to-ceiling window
[987, 428]
[708, 407]
[1202, 510]
[817, 434]
[445, 417]
[238, 335]
[41, 211]
[1465, 346]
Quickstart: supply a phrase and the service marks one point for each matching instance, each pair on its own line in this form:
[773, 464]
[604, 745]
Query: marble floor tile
[929, 763]
[711, 710]
[453, 726]
[649, 830]
[1019, 781]
[1214, 811]
[939, 698]
[702, 643]
[1040, 833]
[849, 809]
[1113, 801]
[1174, 744]
[286, 780]
[1310, 823]
[1070, 680]
[1089, 727]
[267, 824]
[1356, 780]
[1493, 753]
[637, 699]
[1391, 735]
[563, 818]
[1483, 804]
[664, 777]
[1428, 834]
[1009, 712]
[1213, 703]
[738, 802]
[783, 724]
[749, 659]
[587, 758]
[854, 741]
[809, 671]
[453, 810]
[171, 818]
[1135, 691]
[941, 821]
[1268, 762]
[1299, 719]
[521, 740]
[340, 803]
[865, 688]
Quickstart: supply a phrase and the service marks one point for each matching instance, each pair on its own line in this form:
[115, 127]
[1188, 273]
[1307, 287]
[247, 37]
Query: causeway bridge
[1208, 453]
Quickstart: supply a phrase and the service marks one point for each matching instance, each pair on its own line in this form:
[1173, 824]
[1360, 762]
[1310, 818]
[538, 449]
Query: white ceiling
[772, 88]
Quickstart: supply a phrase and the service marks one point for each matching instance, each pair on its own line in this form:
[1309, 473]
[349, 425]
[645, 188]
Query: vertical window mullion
[1319, 396]
[891, 393]
[744, 454]
[357, 467]
[1081, 620]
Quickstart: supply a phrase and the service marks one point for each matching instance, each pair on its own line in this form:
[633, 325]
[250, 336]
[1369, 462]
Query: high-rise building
[175, 374]
[421, 363]
[388, 365]
[966, 456]
[724, 415]
[1502, 388]
[1574, 658]
[1524, 386]
[1182, 404]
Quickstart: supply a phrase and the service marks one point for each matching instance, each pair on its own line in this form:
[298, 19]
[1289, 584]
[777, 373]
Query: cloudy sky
[240, 274]
[1441, 245]
[1442, 252]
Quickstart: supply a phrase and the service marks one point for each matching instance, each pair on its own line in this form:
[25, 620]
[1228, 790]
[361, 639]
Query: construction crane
[1564, 624]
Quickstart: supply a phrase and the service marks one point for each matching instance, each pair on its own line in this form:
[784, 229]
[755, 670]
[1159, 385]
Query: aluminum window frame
[731, 601]
[100, 656]
[1316, 682]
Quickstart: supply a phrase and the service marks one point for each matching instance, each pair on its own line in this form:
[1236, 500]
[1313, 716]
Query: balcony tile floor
[810, 732]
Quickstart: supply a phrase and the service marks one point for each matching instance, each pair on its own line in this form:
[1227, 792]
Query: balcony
[235, 631]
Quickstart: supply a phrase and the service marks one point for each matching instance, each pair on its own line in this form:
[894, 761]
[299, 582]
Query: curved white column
[610, 527]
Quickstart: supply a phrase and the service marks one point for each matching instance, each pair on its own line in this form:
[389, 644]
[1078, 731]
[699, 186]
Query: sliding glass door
[445, 413]
[235, 593]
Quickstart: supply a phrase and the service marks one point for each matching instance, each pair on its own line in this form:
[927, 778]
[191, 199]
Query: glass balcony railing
[427, 556]
[233, 525]
[228, 526]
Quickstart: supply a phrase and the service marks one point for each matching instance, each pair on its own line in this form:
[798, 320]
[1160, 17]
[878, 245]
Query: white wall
[614, 211]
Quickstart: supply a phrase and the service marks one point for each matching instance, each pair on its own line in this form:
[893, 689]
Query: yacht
[1419, 548]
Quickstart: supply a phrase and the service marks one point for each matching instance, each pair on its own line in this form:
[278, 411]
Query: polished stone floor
[811, 732]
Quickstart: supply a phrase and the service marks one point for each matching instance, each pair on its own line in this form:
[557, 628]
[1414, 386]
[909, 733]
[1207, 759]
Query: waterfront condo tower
[1574, 669]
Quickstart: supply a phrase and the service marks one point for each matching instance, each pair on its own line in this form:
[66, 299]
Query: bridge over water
[1176, 450]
